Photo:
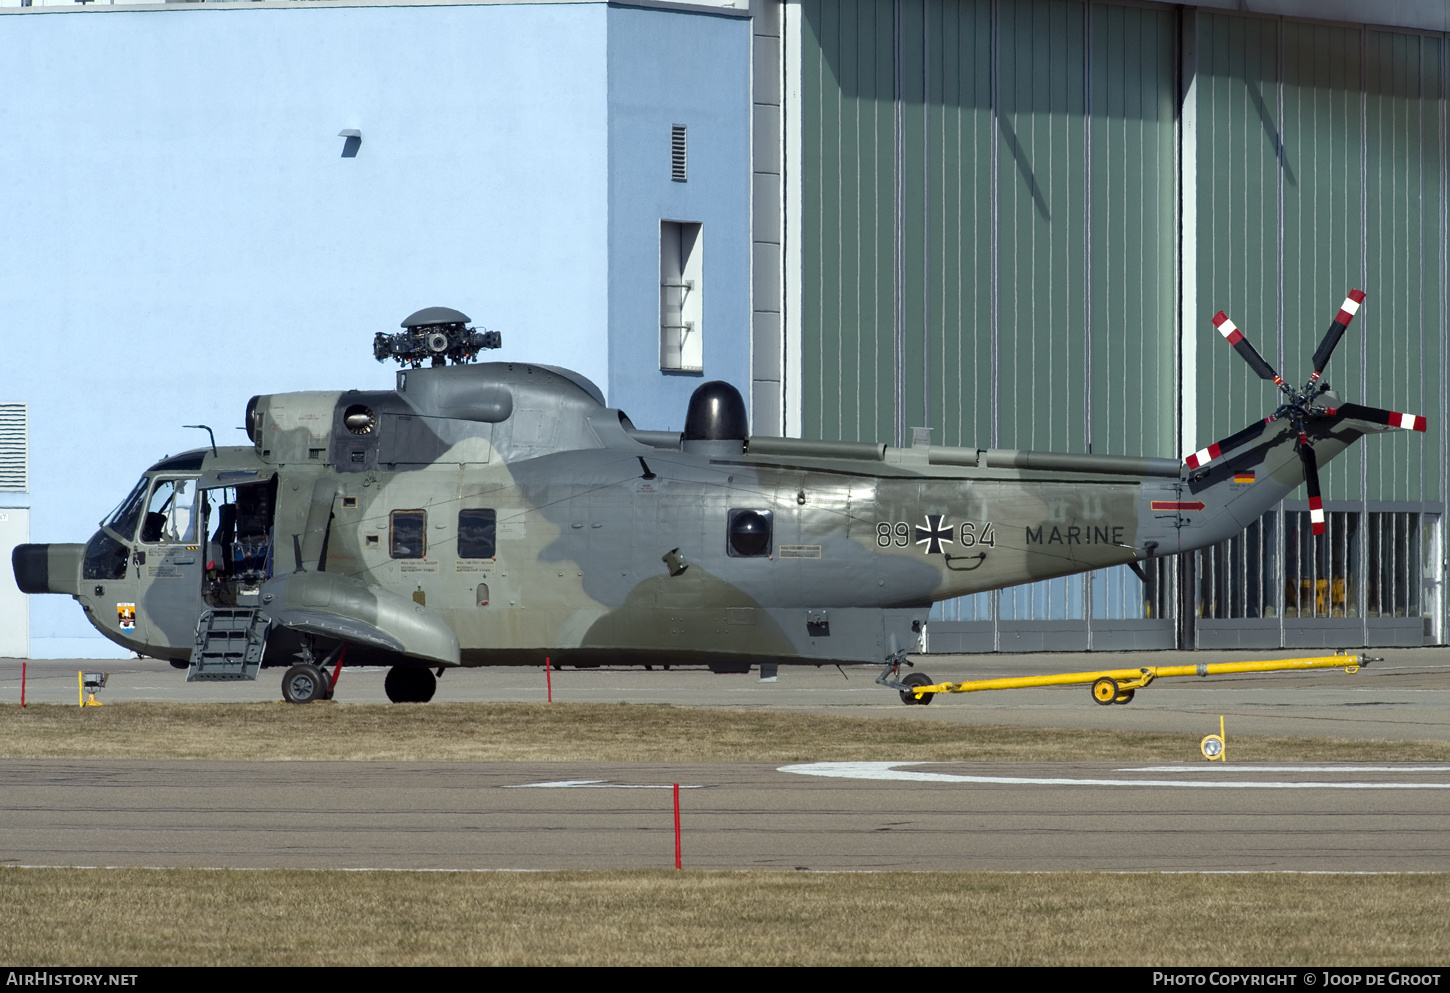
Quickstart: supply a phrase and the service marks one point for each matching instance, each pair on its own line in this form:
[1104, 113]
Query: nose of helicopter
[47, 568]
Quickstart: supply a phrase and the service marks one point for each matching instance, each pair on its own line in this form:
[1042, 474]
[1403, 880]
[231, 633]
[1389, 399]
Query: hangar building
[1005, 221]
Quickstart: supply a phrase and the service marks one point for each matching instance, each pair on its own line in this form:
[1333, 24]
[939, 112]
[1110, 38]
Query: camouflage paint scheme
[611, 544]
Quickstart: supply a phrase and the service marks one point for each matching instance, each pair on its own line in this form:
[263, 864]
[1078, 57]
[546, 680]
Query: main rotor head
[437, 333]
[1310, 403]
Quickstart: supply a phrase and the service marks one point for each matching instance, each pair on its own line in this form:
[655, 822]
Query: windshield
[123, 519]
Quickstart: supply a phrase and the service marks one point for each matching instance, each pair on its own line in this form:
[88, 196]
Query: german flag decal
[1245, 476]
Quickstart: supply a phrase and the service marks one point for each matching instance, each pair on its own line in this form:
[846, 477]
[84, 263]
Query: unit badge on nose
[937, 530]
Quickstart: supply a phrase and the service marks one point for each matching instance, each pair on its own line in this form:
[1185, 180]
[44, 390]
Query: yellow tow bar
[1111, 686]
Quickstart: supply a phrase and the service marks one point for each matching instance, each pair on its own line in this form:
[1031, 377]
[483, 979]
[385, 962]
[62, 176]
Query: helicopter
[489, 513]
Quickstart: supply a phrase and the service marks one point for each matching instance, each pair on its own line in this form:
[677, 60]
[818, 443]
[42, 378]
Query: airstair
[229, 644]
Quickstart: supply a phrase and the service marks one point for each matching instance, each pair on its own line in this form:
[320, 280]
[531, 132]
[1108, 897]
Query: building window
[476, 531]
[408, 531]
[682, 258]
[1380, 565]
[677, 152]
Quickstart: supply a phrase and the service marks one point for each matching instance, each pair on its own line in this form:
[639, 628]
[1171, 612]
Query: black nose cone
[32, 568]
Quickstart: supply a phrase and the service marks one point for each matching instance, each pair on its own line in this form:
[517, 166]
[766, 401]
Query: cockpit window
[171, 513]
[123, 519]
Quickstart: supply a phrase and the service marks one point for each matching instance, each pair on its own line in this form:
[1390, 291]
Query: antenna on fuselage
[209, 434]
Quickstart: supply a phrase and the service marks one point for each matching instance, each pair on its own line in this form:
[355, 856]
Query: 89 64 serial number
[935, 532]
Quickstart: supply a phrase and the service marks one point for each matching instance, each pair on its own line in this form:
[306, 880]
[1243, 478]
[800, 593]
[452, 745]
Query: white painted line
[888, 771]
[597, 784]
[1290, 768]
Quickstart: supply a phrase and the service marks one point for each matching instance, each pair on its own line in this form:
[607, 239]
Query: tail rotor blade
[1378, 415]
[1311, 480]
[1337, 327]
[1207, 455]
[1245, 348]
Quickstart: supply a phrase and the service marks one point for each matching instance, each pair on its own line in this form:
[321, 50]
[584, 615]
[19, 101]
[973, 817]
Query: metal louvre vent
[677, 152]
[14, 446]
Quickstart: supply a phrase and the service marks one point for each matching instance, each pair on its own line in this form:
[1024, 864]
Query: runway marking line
[889, 771]
[1290, 768]
[597, 784]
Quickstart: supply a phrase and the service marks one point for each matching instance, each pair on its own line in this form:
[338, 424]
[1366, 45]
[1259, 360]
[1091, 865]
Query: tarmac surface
[1404, 697]
[1352, 817]
[818, 816]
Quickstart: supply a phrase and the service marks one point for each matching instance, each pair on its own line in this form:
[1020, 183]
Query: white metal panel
[14, 605]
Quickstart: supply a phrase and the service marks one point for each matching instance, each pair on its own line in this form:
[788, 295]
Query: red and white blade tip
[1316, 514]
[1227, 329]
[1203, 456]
[1350, 307]
[1410, 422]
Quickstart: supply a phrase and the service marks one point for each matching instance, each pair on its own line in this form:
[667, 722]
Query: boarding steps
[229, 644]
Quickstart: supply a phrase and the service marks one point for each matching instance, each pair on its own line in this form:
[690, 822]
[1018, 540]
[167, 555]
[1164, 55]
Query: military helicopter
[497, 513]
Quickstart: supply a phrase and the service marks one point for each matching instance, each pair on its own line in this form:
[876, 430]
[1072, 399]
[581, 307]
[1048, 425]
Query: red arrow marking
[1175, 505]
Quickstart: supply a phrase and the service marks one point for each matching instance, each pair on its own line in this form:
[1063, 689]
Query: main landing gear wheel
[1105, 691]
[916, 679]
[303, 684]
[326, 682]
[409, 684]
[1124, 697]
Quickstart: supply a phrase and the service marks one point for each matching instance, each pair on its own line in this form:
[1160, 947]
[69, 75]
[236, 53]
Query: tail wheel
[303, 684]
[1125, 697]
[1105, 691]
[916, 679]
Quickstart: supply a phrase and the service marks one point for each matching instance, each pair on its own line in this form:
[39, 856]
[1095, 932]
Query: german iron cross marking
[937, 530]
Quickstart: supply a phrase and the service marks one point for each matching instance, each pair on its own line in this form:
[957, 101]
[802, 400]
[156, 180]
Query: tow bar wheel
[1105, 691]
[916, 679]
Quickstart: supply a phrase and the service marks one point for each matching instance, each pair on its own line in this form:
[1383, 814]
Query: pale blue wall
[667, 69]
[179, 230]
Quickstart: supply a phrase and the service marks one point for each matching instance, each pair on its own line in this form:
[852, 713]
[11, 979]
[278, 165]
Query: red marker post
[549, 679]
[22, 684]
[677, 826]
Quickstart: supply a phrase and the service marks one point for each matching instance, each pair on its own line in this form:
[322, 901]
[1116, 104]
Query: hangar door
[1318, 154]
[988, 247]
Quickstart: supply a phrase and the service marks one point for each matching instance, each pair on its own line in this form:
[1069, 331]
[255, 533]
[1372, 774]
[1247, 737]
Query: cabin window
[407, 531]
[749, 533]
[477, 529]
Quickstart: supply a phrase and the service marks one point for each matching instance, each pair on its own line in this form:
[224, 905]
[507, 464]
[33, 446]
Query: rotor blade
[1245, 348]
[1377, 415]
[1337, 327]
[1311, 479]
[1207, 455]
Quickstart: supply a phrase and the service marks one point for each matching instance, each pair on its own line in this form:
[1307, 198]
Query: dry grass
[603, 732]
[122, 917]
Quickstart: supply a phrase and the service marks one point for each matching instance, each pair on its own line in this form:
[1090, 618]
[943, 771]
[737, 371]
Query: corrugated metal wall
[991, 214]
[848, 124]
[1321, 168]
[953, 177]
